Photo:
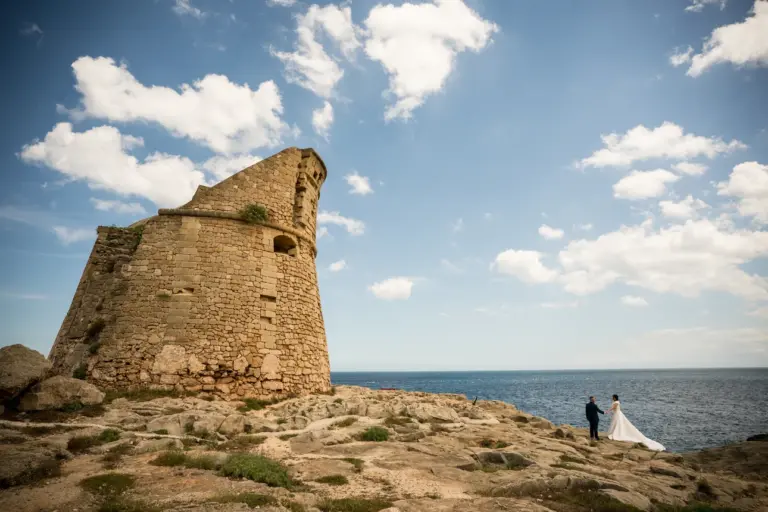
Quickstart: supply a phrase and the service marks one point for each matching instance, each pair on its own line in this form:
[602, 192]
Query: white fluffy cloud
[698, 5]
[321, 232]
[643, 184]
[690, 168]
[322, 119]
[222, 167]
[394, 288]
[359, 185]
[417, 45]
[665, 141]
[551, 233]
[684, 259]
[634, 301]
[524, 265]
[680, 57]
[741, 44]
[688, 208]
[184, 8]
[100, 157]
[337, 266]
[224, 116]
[353, 226]
[749, 183]
[73, 235]
[117, 206]
[309, 65]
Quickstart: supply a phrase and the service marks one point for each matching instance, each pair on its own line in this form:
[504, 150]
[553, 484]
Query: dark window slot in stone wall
[268, 298]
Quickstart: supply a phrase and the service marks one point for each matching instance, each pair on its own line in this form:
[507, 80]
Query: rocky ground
[357, 450]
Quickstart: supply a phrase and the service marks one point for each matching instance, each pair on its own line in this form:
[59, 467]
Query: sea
[684, 410]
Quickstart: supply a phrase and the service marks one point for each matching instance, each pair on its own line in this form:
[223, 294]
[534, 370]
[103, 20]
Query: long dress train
[622, 429]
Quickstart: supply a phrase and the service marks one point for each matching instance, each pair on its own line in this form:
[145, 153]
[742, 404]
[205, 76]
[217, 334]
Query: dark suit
[593, 419]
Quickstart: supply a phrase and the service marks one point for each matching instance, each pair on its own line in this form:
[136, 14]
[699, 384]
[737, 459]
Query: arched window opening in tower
[285, 245]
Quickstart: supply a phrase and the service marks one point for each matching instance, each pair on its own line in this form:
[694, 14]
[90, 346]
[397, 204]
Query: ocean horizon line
[649, 369]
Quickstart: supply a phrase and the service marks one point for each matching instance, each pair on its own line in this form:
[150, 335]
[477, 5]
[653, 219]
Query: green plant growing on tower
[254, 213]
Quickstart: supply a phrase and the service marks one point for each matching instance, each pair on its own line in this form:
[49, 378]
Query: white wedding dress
[622, 429]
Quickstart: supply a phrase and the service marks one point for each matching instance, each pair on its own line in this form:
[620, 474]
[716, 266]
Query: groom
[592, 418]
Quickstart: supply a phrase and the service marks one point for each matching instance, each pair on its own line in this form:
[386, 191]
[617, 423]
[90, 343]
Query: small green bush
[79, 444]
[254, 214]
[114, 456]
[95, 328]
[108, 484]
[257, 468]
[375, 434]
[162, 432]
[394, 421]
[241, 443]
[333, 480]
[109, 435]
[251, 499]
[173, 458]
[357, 463]
[354, 505]
[286, 437]
[346, 422]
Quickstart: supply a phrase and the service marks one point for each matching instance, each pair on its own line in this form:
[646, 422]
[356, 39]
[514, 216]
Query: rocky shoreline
[355, 450]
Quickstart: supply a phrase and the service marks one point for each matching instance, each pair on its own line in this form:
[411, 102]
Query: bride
[622, 429]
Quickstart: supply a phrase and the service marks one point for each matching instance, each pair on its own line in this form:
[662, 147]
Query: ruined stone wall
[209, 305]
[97, 299]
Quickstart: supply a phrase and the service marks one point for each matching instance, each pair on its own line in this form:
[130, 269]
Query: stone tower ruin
[198, 299]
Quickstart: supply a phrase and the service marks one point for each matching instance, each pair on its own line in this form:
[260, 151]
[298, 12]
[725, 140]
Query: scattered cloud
[309, 65]
[550, 233]
[321, 232]
[31, 30]
[634, 301]
[281, 3]
[222, 167]
[458, 225]
[184, 8]
[748, 182]
[524, 265]
[117, 206]
[688, 208]
[690, 168]
[24, 296]
[448, 266]
[488, 216]
[665, 141]
[322, 119]
[741, 44]
[337, 266]
[394, 288]
[759, 312]
[417, 45]
[360, 185]
[73, 235]
[680, 57]
[100, 157]
[353, 226]
[644, 184]
[224, 116]
[698, 5]
[585, 227]
[560, 305]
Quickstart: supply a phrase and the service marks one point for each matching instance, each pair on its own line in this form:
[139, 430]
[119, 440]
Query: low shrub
[241, 443]
[375, 434]
[257, 468]
[254, 213]
[354, 505]
[251, 499]
[333, 480]
[357, 463]
[346, 422]
[108, 484]
[173, 458]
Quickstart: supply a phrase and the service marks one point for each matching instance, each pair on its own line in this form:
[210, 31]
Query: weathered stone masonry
[197, 299]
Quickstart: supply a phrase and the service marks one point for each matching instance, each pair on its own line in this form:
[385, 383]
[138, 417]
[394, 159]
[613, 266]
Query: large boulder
[20, 367]
[59, 392]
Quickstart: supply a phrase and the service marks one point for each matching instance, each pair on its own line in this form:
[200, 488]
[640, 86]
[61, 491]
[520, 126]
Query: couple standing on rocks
[621, 428]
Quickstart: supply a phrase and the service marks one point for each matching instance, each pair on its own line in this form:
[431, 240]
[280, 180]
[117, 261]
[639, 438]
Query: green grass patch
[692, 507]
[254, 213]
[257, 468]
[162, 432]
[114, 455]
[241, 443]
[174, 458]
[354, 505]
[123, 504]
[108, 484]
[48, 469]
[492, 443]
[251, 499]
[80, 372]
[286, 437]
[293, 506]
[333, 480]
[80, 444]
[376, 434]
[585, 500]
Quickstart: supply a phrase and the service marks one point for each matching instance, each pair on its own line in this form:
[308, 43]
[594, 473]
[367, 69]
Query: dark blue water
[682, 409]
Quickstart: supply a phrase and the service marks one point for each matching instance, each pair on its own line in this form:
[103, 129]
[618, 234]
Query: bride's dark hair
[616, 397]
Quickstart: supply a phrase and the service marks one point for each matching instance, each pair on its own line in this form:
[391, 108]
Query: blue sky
[512, 185]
